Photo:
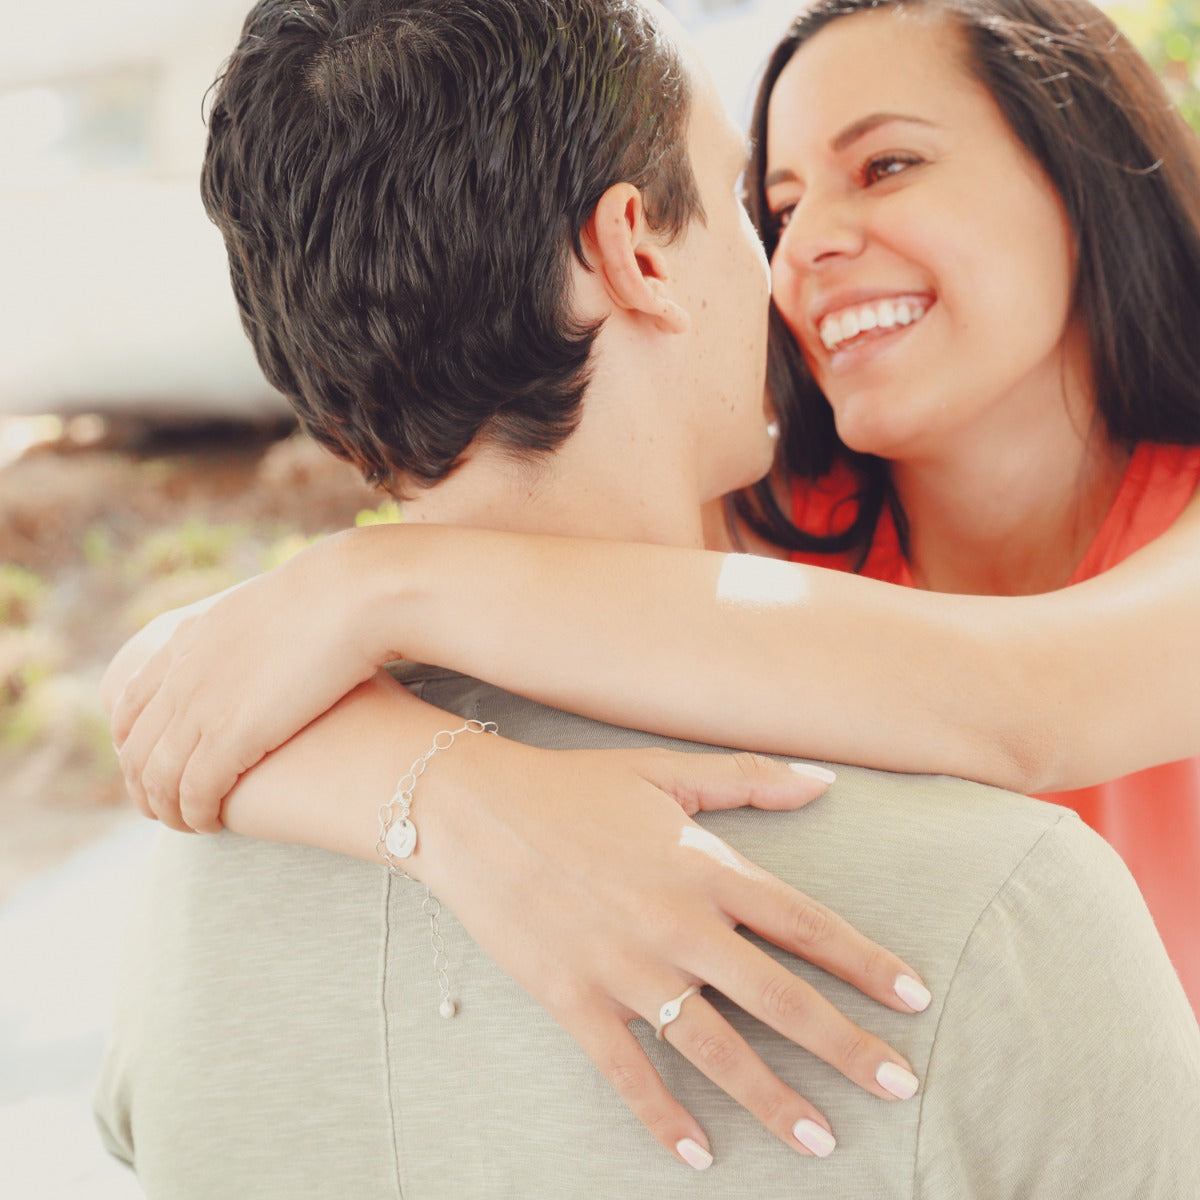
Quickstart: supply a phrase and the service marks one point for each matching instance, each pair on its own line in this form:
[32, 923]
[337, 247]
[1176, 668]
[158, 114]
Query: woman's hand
[607, 904]
[582, 875]
[203, 693]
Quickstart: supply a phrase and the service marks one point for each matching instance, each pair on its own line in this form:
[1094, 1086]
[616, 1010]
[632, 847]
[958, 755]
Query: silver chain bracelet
[398, 840]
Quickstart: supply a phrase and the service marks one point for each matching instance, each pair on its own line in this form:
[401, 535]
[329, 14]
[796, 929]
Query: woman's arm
[582, 875]
[1037, 693]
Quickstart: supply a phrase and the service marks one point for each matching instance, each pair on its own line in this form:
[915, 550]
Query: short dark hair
[1126, 166]
[401, 184]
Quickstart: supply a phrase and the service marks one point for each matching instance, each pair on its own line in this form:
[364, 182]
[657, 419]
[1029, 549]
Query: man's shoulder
[913, 861]
[1063, 1019]
[871, 824]
[930, 866]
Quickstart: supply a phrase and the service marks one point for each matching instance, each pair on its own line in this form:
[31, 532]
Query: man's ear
[622, 252]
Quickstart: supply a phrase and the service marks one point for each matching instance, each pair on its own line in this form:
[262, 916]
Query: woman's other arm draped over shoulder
[1035, 693]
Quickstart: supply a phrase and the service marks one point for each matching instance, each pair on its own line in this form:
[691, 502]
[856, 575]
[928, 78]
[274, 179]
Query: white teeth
[839, 328]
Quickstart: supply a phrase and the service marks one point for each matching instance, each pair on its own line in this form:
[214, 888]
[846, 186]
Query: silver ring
[672, 1009]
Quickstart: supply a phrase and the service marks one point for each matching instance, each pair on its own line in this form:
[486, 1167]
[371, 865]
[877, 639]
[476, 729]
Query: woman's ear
[628, 260]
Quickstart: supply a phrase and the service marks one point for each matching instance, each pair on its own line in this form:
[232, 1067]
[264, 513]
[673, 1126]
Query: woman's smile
[868, 322]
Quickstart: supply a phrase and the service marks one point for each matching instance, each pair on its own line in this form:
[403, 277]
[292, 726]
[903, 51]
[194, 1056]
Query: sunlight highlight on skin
[692, 838]
[747, 580]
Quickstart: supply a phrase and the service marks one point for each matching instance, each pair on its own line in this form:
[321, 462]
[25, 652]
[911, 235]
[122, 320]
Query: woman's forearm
[1033, 693]
[714, 647]
[324, 787]
[1038, 693]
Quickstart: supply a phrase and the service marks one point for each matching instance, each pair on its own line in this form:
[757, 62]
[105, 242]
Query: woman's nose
[820, 231]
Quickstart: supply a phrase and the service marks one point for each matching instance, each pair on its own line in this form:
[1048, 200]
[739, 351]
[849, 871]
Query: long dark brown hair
[1126, 165]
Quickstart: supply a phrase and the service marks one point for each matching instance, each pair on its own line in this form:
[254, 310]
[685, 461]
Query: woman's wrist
[381, 614]
[310, 792]
[422, 594]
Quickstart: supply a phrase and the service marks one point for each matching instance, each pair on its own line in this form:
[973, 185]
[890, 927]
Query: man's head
[403, 186]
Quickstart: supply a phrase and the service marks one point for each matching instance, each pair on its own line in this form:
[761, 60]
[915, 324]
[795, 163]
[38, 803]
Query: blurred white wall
[113, 285]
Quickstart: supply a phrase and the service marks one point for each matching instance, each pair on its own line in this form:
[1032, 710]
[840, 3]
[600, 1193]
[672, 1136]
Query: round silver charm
[401, 839]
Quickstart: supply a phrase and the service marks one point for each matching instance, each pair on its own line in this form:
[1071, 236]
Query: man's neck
[609, 499]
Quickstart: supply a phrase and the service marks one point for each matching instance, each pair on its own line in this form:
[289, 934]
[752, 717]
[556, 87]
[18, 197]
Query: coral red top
[1151, 817]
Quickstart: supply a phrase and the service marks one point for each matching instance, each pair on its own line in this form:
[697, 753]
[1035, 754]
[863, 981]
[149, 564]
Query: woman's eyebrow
[847, 137]
[782, 175]
[872, 121]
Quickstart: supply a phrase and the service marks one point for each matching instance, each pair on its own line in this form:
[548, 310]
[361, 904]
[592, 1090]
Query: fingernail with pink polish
[895, 1079]
[693, 1154]
[914, 993]
[814, 1138]
[821, 773]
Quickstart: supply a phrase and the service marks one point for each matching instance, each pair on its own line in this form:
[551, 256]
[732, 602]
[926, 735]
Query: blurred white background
[113, 291]
[112, 282]
[113, 287]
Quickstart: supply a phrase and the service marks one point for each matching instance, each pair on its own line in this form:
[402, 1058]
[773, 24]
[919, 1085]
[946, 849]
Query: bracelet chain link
[398, 841]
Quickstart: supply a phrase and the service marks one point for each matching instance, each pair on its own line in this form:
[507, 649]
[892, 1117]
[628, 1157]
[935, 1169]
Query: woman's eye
[887, 165]
[781, 217]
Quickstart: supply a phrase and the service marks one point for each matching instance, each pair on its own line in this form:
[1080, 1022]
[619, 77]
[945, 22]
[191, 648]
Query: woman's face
[925, 263]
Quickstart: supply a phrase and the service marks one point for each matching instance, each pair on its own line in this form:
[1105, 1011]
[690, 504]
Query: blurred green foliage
[196, 544]
[98, 548]
[286, 545]
[388, 513]
[21, 717]
[1168, 33]
[20, 593]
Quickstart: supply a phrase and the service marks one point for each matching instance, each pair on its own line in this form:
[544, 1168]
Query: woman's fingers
[716, 1049]
[638, 888]
[138, 669]
[790, 1005]
[619, 1057]
[203, 693]
[152, 742]
[704, 782]
[171, 772]
[207, 777]
[162, 778]
[164, 758]
[750, 896]
[131, 699]
[793, 921]
[702, 1036]
[144, 782]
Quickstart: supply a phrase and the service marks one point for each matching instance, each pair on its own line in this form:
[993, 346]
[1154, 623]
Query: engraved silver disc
[401, 839]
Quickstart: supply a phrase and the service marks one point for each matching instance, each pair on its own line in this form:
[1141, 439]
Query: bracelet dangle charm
[398, 841]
